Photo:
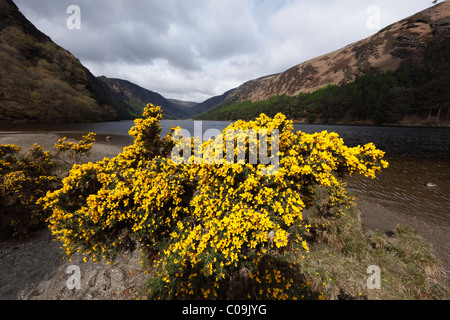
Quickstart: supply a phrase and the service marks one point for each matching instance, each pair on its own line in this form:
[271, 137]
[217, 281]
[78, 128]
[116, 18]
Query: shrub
[26, 178]
[77, 151]
[23, 180]
[208, 230]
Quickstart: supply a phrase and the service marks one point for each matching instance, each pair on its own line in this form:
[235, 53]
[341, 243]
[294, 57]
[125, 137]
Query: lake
[416, 156]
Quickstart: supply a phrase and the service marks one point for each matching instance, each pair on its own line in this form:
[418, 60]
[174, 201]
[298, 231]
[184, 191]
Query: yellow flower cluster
[23, 180]
[203, 224]
[77, 151]
[8, 149]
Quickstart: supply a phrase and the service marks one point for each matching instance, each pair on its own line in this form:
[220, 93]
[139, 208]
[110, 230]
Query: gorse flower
[209, 229]
[77, 151]
[24, 179]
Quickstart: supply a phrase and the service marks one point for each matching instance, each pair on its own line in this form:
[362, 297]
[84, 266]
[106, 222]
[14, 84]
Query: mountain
[137, 98]
[192, 109]
[399, 76]
[402, 43]
[42, 82]
[183, 104]
[209, 104]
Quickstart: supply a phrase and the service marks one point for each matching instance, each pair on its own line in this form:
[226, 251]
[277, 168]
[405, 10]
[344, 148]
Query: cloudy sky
[195, 49]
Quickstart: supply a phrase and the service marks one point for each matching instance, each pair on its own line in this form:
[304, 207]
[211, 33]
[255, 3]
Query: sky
[195, 49]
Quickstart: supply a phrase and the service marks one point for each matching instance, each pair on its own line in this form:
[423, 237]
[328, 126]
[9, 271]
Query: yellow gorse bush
[214, 230]
[76, 150]
[24, 179]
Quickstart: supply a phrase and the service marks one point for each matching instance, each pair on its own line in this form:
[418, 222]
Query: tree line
[383, 98]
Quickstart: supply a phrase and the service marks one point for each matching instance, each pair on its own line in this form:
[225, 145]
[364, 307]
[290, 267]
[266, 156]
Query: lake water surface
[416, 156]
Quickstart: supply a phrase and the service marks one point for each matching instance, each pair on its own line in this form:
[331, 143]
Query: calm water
[416, 156]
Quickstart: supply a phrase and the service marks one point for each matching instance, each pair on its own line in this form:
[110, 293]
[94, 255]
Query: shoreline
[101, 147]
[376, 217]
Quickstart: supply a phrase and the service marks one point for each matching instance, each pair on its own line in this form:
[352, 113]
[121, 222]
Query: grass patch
[341, 252]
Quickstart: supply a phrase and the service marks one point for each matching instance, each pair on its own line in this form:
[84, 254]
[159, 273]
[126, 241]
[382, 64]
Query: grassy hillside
[402, 43]
[138, 97]
[400, 75]
[42, 82]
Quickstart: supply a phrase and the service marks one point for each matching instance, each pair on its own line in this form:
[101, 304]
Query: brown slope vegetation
[402, 43]
[138, 97]
[42, 82]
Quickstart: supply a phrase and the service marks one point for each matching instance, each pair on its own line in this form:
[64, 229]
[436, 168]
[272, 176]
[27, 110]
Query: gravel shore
[35, 270]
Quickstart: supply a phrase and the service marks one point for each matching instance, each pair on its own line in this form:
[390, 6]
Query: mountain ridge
[138, 97]
[208, 104]
[398, 76]
[43, 82]
[398, 44]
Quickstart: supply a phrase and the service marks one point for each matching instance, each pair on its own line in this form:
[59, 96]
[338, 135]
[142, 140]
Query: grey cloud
[141, 31]
[115, 31]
